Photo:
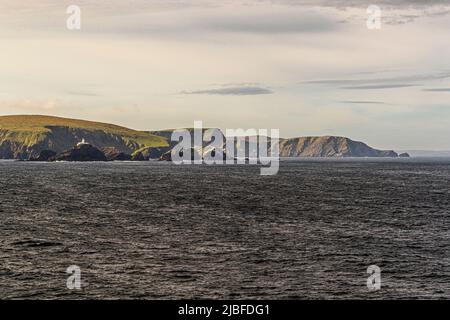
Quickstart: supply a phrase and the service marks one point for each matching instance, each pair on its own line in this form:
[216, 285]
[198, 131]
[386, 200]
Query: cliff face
[22, 137]
[329, 146]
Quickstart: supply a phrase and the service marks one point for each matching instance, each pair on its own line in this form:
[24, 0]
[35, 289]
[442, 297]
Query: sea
[156, 230]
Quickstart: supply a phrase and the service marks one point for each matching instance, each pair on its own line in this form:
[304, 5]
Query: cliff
[22, 137]
[25, 137]
[329, 146]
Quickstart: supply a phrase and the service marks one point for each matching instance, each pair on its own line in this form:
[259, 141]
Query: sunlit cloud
[233, 91]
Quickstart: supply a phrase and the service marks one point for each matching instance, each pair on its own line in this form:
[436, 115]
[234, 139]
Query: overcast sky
[305, 67]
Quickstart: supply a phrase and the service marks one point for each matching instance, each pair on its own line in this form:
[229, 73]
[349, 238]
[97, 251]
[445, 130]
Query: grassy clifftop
[25, 135]
[329, 146]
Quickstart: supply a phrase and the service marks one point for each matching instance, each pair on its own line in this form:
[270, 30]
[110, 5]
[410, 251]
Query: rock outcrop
[85, 152]
[44, 155]
[168, 155]
[137, 157]
[211, 154]
[112, 154]
[404, 155]
[150, 153]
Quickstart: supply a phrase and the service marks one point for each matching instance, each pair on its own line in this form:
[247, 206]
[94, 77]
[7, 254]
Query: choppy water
[156, 230]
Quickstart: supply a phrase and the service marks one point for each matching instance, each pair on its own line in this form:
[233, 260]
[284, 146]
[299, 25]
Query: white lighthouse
[82, 143]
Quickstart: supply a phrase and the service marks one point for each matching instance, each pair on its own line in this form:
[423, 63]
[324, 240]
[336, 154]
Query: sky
[302, 66]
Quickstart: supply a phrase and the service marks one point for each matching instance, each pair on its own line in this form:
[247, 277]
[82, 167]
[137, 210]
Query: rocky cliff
[329, 146]
[84, 152]
[23, 137]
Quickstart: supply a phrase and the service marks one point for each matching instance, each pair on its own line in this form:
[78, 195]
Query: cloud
[360, 102]
[437, 90]
[29, 105]
[193, 17]
[380, 86]
[381, 83]
[280, 21]
[394, 12]
[359, 3]
[233, 91]
[390, 80]
[232, 20]
[171, 17]
[83, 93]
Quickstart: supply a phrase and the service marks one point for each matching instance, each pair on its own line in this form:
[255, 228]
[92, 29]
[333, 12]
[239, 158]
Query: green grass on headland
[31, 129]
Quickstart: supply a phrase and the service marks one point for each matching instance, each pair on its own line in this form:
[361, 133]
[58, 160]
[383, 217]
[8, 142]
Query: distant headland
[47, 138]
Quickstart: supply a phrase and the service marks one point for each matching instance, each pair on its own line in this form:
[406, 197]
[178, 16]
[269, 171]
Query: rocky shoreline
[46, 138]
[88, 152]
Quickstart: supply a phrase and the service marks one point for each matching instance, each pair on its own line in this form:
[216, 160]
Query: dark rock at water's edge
[150, 153]
[112, 154]
[81, 152]
[87, 152]
[138, 157]
[168, 155]
[121, 156]
[156, 153]
[214, 153]
[404, 155]
[44, 155]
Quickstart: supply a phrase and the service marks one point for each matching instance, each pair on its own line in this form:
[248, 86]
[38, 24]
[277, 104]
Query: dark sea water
[160, 231]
